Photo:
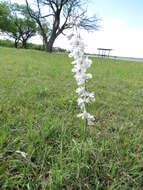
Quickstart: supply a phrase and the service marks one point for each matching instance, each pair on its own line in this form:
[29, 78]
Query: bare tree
[61, 15]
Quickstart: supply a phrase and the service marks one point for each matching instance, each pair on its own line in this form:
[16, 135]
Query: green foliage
[16, 22]
[6, 43]
[4, 16]
[9, 43]
[22, 18]
[38, 116]
[35, 46]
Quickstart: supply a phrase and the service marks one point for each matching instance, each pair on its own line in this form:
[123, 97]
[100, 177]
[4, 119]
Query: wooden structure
[103, 52]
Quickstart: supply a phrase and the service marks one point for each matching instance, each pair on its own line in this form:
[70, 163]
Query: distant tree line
[47, 18]
[10, 43]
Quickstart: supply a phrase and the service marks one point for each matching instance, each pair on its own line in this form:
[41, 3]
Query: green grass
[38, 111]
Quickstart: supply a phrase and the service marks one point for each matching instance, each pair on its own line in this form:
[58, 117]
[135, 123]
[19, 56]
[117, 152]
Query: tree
[7, 22]
[13, 32]
[40, 18]
[4, 12]
[4, 16]
[61, 15]
[43, 31]
[25, 25]
[16, 23]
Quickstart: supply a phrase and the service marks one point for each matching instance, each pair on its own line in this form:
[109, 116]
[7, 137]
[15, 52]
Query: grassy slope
[38, 116]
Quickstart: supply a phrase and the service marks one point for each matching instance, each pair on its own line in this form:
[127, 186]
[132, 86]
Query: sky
[121, 28]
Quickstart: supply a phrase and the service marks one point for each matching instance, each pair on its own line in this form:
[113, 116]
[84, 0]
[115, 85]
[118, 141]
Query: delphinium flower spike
[81, 63]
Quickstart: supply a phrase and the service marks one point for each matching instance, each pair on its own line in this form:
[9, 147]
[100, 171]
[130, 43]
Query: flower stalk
[81, 63]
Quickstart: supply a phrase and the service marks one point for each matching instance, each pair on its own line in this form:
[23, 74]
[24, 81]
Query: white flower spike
[80, 65]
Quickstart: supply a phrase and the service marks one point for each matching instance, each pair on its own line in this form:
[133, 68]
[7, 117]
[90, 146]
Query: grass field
[38, 111]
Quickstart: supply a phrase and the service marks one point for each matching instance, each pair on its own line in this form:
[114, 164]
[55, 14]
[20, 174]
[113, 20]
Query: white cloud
[115, 35]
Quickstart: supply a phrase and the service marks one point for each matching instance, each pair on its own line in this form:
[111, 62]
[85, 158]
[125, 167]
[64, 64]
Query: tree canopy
[16, 22]
[4, 16]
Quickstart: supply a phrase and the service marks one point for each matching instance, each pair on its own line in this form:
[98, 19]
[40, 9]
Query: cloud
[114, 34]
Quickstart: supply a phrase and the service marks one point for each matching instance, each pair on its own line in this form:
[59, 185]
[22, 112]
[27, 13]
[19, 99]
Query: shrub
[6, 43]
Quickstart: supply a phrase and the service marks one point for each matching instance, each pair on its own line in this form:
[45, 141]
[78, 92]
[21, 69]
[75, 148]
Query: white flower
[88, 76]
[81, 64]
[90, 122]
[81, 103]
[86, 115]
[80, 90]
[90, 97]
[88, 62]
[83, 115]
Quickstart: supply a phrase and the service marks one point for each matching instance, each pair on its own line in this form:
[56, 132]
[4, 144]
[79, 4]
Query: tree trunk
[50, 43]
[16, 43]
[24, 44]
[54, 34]
[45, 43]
